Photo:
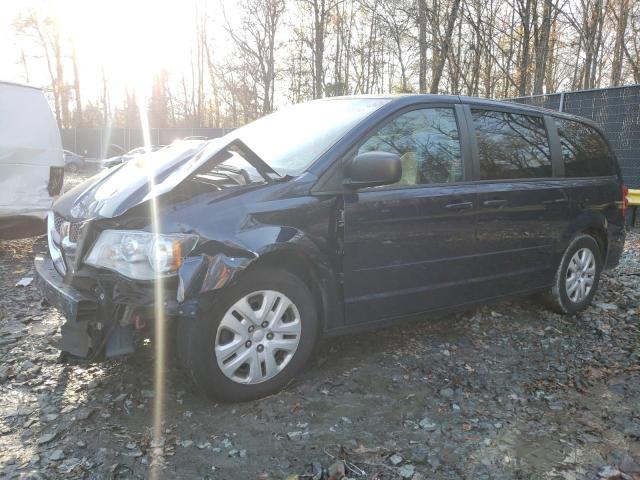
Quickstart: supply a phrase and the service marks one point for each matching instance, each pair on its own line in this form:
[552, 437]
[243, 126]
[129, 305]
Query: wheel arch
[591, 223]
[222, 267]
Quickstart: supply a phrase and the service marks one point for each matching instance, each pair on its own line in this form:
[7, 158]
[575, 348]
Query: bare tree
[442, 44]
[256, 40]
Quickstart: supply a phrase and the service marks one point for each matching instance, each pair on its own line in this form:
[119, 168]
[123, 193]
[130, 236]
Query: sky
[131, 39]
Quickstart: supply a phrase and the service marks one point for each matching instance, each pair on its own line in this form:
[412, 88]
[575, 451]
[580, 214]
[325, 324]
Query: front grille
[53, 239]
[65, 238]
[58, 221]
[72, 231]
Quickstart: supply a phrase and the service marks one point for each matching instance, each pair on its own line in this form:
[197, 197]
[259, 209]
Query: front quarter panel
[238, 232]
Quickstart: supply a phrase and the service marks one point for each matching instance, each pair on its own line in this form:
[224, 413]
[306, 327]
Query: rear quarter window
[511, 145]
[584, 151]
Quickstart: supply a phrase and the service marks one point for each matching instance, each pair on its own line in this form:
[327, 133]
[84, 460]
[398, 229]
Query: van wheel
[253, 338]
[577, 277]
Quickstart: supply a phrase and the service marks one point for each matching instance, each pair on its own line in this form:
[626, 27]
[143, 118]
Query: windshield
[292, 138]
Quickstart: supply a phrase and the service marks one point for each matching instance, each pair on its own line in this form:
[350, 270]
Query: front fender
[220, 263]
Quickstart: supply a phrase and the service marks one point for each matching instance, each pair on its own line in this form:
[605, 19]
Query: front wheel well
[300, 266]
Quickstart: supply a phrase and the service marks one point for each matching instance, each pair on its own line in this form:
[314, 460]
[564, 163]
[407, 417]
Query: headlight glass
[140, 255]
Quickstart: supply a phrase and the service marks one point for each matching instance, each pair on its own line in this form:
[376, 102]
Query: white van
[31, 160]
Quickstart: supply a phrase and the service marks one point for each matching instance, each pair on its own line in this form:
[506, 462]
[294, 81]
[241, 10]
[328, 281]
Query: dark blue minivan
[328, 217]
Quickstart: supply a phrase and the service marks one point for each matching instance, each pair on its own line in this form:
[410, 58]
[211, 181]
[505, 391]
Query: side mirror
[373, 169]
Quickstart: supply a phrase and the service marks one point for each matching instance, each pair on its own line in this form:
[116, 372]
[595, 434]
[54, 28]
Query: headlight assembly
[140, 255]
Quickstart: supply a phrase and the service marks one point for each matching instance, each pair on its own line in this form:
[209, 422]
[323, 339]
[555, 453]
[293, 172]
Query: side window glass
[511, 145]
[584, 151]
[427, 142]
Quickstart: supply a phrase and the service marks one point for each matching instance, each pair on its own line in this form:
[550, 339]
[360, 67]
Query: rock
[47, 437]
[395, 459]
[83, 413]
[24, 282]
[612, 473]
[427, 424]
[134, 452]
[630, 466]
[446, 392]
[297, 435]
[607, 306]
[120, 398]
[336, 470]
[148, 393]
[406, 471]
[56, 455]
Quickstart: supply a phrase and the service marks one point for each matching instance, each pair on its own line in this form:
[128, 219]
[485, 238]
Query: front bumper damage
[104, 317]
[108, 312]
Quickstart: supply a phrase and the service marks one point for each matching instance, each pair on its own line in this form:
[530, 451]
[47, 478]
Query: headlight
[140, 255]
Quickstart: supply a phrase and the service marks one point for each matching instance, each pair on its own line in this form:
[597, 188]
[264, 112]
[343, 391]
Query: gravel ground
[503, 391]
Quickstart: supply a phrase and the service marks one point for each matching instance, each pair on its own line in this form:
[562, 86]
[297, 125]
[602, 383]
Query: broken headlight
[140, 255]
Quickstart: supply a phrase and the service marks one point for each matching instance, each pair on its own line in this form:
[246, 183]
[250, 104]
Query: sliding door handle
[497, 203]
[460, 206]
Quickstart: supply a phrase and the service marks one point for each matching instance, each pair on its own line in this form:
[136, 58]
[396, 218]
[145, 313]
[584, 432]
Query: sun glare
[131, 40]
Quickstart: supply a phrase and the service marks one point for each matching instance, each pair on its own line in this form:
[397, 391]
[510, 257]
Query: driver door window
[427, 142]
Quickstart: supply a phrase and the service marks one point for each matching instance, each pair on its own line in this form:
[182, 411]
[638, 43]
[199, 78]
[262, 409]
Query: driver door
[407, 246]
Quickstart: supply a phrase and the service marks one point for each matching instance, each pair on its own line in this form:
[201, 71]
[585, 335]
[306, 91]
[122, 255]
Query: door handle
[459, 206]
[497, 203]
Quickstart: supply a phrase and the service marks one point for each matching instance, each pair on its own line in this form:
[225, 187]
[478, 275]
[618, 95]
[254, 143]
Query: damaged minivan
[326, 218]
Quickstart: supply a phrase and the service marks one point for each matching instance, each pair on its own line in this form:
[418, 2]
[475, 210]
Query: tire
[559, 298]
[200, 340]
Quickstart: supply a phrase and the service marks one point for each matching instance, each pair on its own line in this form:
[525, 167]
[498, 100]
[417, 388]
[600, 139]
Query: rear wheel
[254, 338]
[577, 277]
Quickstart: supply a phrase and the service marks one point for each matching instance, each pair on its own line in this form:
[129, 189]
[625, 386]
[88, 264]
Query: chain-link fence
[104, 142]
[616, 110]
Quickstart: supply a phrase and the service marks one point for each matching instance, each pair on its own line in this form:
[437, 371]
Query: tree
[256, 41]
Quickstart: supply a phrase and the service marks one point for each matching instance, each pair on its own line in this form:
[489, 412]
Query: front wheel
[253, 339]
[577, 277]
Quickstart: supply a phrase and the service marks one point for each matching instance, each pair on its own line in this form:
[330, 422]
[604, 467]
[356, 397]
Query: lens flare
[159, 340]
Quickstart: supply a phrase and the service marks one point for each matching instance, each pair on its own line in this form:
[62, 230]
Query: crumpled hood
[114, 191]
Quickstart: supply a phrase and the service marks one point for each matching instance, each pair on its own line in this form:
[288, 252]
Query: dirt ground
[503, 391]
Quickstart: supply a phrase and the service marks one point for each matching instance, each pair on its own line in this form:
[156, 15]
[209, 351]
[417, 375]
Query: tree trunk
[443, 51]
[76, 88]
[542, 48]
[422, 44]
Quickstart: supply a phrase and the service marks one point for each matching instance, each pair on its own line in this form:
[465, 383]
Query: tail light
[56, 177]
[625, 200]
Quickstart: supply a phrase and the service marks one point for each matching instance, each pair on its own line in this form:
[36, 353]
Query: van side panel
[594, 207]
[29, 146]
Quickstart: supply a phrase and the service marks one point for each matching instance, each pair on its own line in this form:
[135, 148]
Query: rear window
[584, 151]
[511, 145]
